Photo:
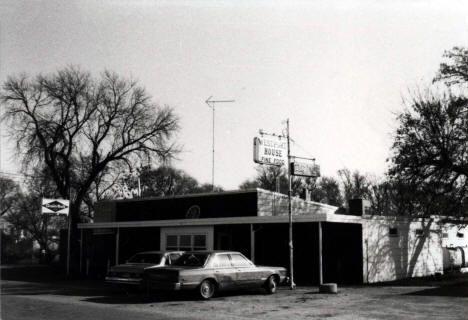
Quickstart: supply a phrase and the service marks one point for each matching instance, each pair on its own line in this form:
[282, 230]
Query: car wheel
[207, 289]
[271, 285]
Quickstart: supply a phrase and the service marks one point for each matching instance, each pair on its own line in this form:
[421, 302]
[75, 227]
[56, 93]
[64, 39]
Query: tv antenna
[212, 104]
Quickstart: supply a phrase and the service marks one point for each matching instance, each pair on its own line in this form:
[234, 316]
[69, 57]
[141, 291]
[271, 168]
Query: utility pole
[291, 247]
[211, 104]
[295, 168]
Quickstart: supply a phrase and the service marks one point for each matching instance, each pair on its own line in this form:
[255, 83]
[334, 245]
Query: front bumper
[120, 280]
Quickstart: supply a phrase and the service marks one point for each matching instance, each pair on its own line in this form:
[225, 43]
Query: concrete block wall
[276, 204]
[415, 250]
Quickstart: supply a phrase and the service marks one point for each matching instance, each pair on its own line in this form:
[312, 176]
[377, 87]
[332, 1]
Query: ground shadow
[459, 289]
[162, 297]
[33, 273]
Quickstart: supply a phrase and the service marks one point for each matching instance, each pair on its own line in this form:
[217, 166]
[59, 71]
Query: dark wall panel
[211, 206]
[233, 237]
[133, 240]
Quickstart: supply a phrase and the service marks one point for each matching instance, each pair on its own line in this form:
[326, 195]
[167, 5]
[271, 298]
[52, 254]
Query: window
[186, 242]
[171, 258]
[239, 261]
[445, 235]
[199, 242]
[393, 232]
[460, 235]
[222, 261]
[194, 238]
[192, 259]
[172, 242]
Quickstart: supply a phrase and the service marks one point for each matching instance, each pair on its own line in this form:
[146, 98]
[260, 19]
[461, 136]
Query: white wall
[407, 254]
[454, 236]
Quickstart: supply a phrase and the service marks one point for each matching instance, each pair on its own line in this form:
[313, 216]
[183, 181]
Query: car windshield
[146, 258]
[192, 259]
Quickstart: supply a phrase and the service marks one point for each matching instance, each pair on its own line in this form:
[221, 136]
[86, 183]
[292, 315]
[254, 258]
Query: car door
[246, 271]
[224, 272]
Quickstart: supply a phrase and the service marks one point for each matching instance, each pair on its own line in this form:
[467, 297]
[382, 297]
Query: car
[129, 274]
[207, 272]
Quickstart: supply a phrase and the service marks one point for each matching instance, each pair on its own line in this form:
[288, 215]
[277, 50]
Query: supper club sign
[270, 150]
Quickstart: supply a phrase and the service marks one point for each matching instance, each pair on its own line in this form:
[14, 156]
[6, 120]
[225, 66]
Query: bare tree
[430, 151]
[8, 192]
[77, 126]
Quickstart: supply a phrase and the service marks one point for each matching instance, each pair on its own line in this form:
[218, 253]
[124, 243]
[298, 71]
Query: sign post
[275, 150]
[59, 206]
[291, 246]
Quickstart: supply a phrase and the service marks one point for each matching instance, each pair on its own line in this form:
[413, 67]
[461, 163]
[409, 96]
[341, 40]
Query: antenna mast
[212, 104]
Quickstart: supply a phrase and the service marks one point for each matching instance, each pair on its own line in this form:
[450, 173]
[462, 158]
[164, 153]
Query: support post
[117, 236]
[291, 246]
[252, 243]
[68, 244]
[81, 250]
[320, 252]
[69, 229]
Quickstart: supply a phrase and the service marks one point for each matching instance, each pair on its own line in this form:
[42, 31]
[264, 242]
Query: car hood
[132, 267]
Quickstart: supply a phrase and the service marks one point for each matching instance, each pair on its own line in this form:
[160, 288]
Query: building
[356, 247]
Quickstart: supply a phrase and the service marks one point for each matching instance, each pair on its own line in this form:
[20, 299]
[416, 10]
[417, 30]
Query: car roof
[159, 252]
[213, 252]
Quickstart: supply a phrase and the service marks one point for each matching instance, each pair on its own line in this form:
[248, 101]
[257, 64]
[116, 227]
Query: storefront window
[186, 242]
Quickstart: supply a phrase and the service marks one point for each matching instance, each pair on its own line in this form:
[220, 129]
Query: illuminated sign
[270, 150]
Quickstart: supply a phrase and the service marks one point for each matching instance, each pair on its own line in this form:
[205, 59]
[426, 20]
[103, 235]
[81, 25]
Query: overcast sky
[336, 69]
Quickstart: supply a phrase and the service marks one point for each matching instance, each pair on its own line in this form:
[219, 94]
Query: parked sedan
[210, 271]
[131, 272]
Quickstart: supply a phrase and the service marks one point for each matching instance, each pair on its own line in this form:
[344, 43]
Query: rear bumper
[171, 286]
[119, 280]
[165, 286]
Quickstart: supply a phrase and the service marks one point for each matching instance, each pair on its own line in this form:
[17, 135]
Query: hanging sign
[270, 150]
[58, 206]
[305, 169]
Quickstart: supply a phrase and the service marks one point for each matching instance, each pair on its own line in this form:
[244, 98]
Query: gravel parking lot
[39, 293]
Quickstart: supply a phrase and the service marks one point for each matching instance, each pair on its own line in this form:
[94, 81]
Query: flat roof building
[356, 247]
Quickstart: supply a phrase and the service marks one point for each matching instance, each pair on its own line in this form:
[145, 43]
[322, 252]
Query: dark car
[210, 271]
[131, 272]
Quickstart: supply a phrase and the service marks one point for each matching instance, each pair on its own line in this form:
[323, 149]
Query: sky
[336, 69]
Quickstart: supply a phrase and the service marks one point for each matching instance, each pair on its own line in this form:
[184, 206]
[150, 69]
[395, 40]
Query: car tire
[207, 289]
[271, 285]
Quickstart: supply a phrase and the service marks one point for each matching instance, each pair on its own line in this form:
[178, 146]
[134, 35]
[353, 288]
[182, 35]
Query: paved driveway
[37, 298]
